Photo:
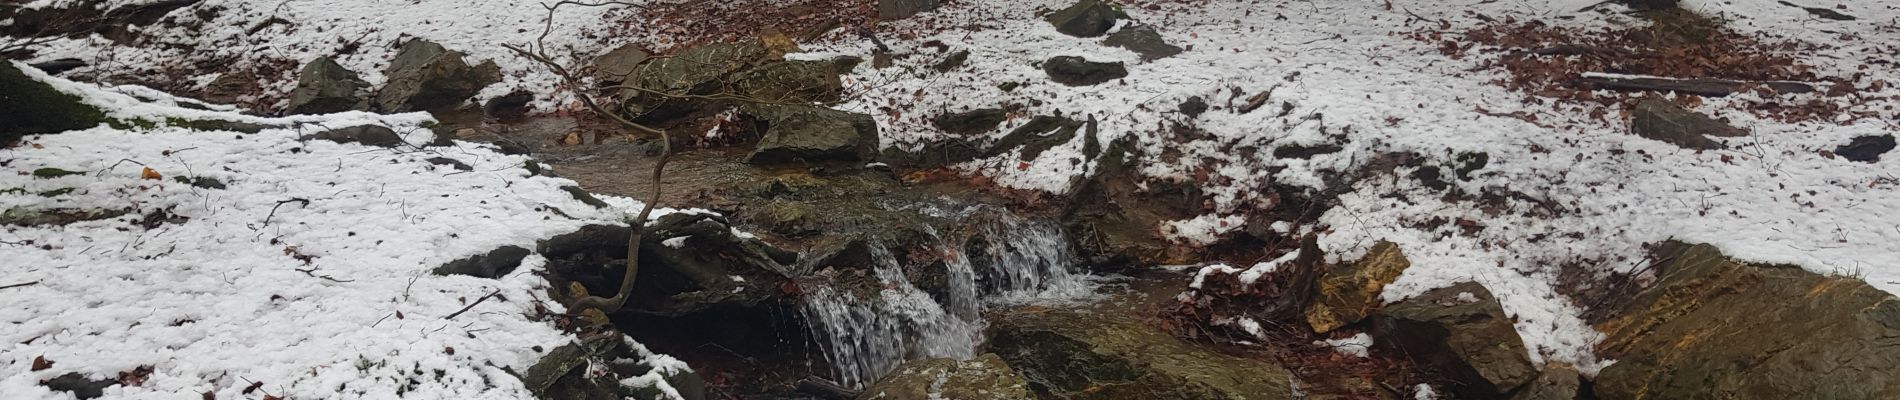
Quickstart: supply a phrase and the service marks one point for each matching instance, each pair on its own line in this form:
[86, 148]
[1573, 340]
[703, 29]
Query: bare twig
[20, 285]
[472, 305]
[273, 209]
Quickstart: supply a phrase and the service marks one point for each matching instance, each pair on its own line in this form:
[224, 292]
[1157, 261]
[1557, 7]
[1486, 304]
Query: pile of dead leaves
[1546, 61]
[683, 24]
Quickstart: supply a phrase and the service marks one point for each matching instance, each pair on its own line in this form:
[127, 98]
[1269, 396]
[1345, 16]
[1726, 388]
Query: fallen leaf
[252, 388]
[572, 138]
[151, 174]
[41, 363]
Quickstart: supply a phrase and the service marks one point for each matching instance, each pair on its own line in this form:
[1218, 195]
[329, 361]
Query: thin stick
[471, 306]
[20, 285]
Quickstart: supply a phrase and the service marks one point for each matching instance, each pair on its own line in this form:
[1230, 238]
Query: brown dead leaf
[572, 139]
[150, 174]
[41, 363]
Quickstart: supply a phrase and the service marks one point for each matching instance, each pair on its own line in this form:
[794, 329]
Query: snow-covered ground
[1338, 72]
[1341, 73]
[326, 298]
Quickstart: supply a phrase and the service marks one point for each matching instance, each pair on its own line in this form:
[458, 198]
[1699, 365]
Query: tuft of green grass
[49, 173]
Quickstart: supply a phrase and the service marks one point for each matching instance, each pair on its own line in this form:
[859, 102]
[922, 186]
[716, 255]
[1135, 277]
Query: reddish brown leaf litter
[680, 24]
[1545, 62]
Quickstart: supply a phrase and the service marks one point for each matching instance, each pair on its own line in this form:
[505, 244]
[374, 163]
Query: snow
[237, 36]
[1359, 345]
[1424, 392]
[1340, 73]
[677, 243]
[221, 300]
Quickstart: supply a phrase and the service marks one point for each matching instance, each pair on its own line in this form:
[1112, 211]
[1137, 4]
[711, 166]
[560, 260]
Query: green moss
[13, 191]
[28, 106]
[56, 192]
[49, 173]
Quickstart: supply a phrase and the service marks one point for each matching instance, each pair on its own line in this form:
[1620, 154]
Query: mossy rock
[1716, 328]
[1462, 332]
[1070, 354]
[28, 106]
[986, 377]
[1348, 293]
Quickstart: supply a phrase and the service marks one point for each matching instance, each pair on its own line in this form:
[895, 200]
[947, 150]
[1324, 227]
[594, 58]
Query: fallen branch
[1699, 86]
[273, 209]
[20, 285]
[472, 305]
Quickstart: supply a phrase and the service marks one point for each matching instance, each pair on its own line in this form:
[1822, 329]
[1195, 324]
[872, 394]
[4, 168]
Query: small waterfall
[866, 336]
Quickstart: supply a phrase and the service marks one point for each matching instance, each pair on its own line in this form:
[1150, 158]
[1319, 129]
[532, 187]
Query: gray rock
[1866, 149]
[1068, 354]
[1142, 40]
[513, 105]
[1086, 18]
[368, 135]
[1715, 328]
[900, 9]
[786, 82]
[703, 69]
[1036, 136]
[952, 61]
[80, 386]
[1557, 382]
[494, 264]
[811, 134]
[985, 378]
[563, 373]
[971, 122]
[325, 87]
[425, 76]
[615, 65]
[1462, 332]
[1194, 106]
[1660, 119]
[1076, 71]
[28, 106]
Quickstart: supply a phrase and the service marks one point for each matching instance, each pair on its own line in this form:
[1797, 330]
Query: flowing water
[864, 338]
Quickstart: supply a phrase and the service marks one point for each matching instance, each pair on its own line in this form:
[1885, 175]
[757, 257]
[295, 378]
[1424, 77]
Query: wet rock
[935, 153]
[952, 61]
[1866, 148]
[1712, 327]
[1086, 18]
[1660, 119]
[984, 378]
[791, 219]
[1074, 355]
[800, 81]
[811, 134]
[584, 197]
[1144, 41]
[1348, 293]
[1036, 136]
[1194, 106]
[426, 76]
[595, 368]
[79, 385]
[325, 87]
[971, 122]
[900, 9]
[1076, 71]
[688, 263]
[28, 106]
[1462, 332]
[615, 65]
[495, 264]
[367, 135]
[59, 66]
[513, 105]
[1557, 382]
[1109, 223]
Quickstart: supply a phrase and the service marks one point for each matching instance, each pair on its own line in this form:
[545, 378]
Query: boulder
[983, 378]
[1715, 328]
[700, 70]
[1142, 40]
[79, 385]
[494, 264]
[1086, 18]
[900, 9]
[811, 134]
[1348, 293]
[689, 262]
[1461, 332]
[1036, 136]
[615, 65]
[971, 122]
[231, 88]
[788, 218]
[1076, 71]
[425, 76]
[800, 81]
[1557, 382]
[1070, 354]
[28, 106]
[1110, 224]
[325, 87]
[1866, 149]
[511, 106]
[952, 61]
[1660, 119]
[935, 153]
[367, 135]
